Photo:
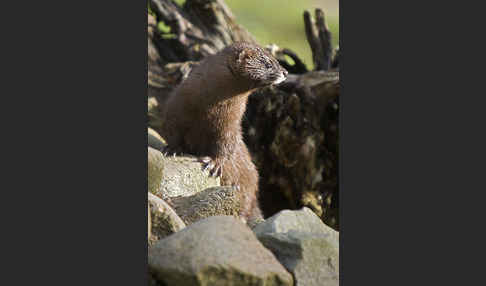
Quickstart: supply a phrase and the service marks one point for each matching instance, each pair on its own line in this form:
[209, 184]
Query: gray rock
[155, 170]
[153, 114]
[184, 176]
[176, 176]
[210, 202]
[163, 219]
[304, 245]
[154, 139]
[218, 250]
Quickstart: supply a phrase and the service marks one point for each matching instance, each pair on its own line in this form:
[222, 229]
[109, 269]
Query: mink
[202, 116]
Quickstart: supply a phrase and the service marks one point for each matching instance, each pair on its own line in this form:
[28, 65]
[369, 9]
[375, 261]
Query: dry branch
[319, 39]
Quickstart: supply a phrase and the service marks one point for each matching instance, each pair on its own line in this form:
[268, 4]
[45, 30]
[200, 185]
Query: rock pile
[196, 238]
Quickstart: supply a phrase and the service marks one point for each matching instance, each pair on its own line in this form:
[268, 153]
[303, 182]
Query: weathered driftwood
[291, 130]
[319, 39]
[197, 29]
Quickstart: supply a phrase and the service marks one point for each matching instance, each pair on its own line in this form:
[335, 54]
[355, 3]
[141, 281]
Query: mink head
[255, 64]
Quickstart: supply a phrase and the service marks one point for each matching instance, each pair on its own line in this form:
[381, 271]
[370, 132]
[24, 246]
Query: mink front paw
[215, 167]
[170, 151]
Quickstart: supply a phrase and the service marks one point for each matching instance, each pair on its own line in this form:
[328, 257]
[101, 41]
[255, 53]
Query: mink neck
[224, 116]
[219, 86]
[222, 121]
[217, 101]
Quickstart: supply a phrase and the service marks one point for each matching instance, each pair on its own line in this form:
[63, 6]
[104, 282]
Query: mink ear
[243, 55]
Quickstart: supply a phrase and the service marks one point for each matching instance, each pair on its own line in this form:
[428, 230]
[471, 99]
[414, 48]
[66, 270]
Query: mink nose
[285, 72]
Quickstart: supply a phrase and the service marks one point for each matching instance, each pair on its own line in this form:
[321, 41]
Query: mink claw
[208, 164]
[204, 160]
[168, 151]
[216, 172]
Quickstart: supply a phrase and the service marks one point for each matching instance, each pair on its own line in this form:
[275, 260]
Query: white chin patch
[280, 79]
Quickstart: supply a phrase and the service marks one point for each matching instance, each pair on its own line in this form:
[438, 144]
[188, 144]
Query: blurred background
[282, 22]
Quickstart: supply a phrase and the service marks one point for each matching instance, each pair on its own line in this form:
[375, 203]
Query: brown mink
[202, 117]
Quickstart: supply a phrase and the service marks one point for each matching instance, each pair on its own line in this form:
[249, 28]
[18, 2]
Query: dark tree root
[197, 29]
[298, 67]
[319, 38]
[335, 61]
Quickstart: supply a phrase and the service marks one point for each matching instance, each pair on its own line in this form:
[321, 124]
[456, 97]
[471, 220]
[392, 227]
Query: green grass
[281, 22]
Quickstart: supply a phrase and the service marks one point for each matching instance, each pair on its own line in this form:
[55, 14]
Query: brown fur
[202, 117]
